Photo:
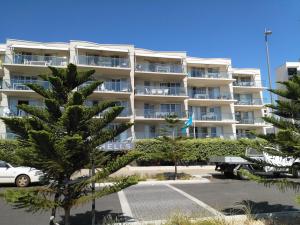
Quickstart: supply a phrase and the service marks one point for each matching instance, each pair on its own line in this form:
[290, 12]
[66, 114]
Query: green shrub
[199, 149]
[170, 176]
[9, 152]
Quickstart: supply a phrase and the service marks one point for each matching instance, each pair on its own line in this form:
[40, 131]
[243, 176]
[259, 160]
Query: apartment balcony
[212, 118]
[150, 135]
[245, 135]
[200, 99]
[18, 87]
[34, 63]
[110, 89]
[162, 70]
[250, 122]
[207, 78]
[6, 111]
[106, 64]
[157, 92]
[212, 135]
[8, 136]
[249, 86]
[146, 115]
[125, 115]
[248, 104]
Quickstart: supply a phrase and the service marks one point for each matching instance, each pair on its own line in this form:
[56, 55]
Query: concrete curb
[160, 182]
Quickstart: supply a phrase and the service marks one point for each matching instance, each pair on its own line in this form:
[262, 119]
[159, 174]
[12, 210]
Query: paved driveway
[154, 202]
[231, 196]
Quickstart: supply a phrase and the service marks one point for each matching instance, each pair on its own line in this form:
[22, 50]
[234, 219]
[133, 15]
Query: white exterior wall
[282, 72]
[135, 78]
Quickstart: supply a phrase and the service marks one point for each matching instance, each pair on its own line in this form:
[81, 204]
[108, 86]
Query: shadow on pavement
[102, 217]
[221, 176]
[251, 207]
[14, 186]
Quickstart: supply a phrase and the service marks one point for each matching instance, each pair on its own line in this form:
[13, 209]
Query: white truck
[231, 166]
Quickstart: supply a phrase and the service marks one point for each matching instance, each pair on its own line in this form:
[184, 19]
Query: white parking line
[124, 205]
[197, 201]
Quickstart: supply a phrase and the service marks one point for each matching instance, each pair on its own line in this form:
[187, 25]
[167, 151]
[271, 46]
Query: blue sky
[203, 28]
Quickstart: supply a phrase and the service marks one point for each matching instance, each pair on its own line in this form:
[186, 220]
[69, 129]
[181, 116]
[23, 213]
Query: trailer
[232, 166]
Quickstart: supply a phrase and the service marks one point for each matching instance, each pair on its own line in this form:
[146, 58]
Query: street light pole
[268, 32]
[93, 188]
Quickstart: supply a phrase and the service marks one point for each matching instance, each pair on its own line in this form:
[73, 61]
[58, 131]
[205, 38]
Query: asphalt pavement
[156, 202]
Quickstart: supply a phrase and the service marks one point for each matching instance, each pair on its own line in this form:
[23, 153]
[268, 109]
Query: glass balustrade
[149, 113]
[221, 96]
[38, 60]
[159, 67]
[21, 84]
[157, 90]
[209, 75]
[110, 86]
[103, 61]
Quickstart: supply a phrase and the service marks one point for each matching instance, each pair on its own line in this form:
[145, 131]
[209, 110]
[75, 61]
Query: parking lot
[157, 202]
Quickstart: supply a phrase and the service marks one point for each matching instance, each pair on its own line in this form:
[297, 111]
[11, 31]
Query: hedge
[200, 149]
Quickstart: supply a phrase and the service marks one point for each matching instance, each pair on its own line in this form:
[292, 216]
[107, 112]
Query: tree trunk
[175, 174]
[67, 215]
[53, 212]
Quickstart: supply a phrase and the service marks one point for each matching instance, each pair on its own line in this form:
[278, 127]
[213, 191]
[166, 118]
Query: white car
[20, 176]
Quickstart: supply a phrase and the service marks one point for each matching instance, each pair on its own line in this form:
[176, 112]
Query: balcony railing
[146, 113]
[212, 135]
[220, 96]
[103, 61]
[249, 102]
[124, 113]
[8, 135]
[159, 67]
[250, 120]
[6, 111]
[212, 116]
[253, 83]
[144, 135]
[109, 86]
[156, 90]
[21, 84]
[210, 75]
[245, 135]
[37, 60]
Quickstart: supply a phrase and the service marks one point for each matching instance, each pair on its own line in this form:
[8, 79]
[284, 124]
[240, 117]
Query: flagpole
[194, 125]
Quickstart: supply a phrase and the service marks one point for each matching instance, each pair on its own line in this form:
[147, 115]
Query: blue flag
[187, 124]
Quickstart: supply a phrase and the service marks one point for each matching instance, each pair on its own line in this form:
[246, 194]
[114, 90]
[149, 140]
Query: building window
[292, 71]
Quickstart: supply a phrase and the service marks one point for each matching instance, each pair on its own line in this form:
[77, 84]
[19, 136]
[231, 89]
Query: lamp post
[268, 32]
[92, 174]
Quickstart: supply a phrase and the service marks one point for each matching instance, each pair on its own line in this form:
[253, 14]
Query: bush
[198, 150]
[9, 152]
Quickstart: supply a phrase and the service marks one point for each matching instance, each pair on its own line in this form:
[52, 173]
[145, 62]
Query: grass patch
[170, 176]
[137, 177]
[181, 219]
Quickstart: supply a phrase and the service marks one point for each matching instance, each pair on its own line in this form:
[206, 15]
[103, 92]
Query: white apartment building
[285, 72]
[225, 102]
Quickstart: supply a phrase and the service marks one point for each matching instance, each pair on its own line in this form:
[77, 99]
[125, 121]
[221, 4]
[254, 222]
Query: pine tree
[172, 151]
[286, 141]
[60, 138]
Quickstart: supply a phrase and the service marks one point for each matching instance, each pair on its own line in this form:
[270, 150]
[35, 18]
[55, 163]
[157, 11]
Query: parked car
[20, 176]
